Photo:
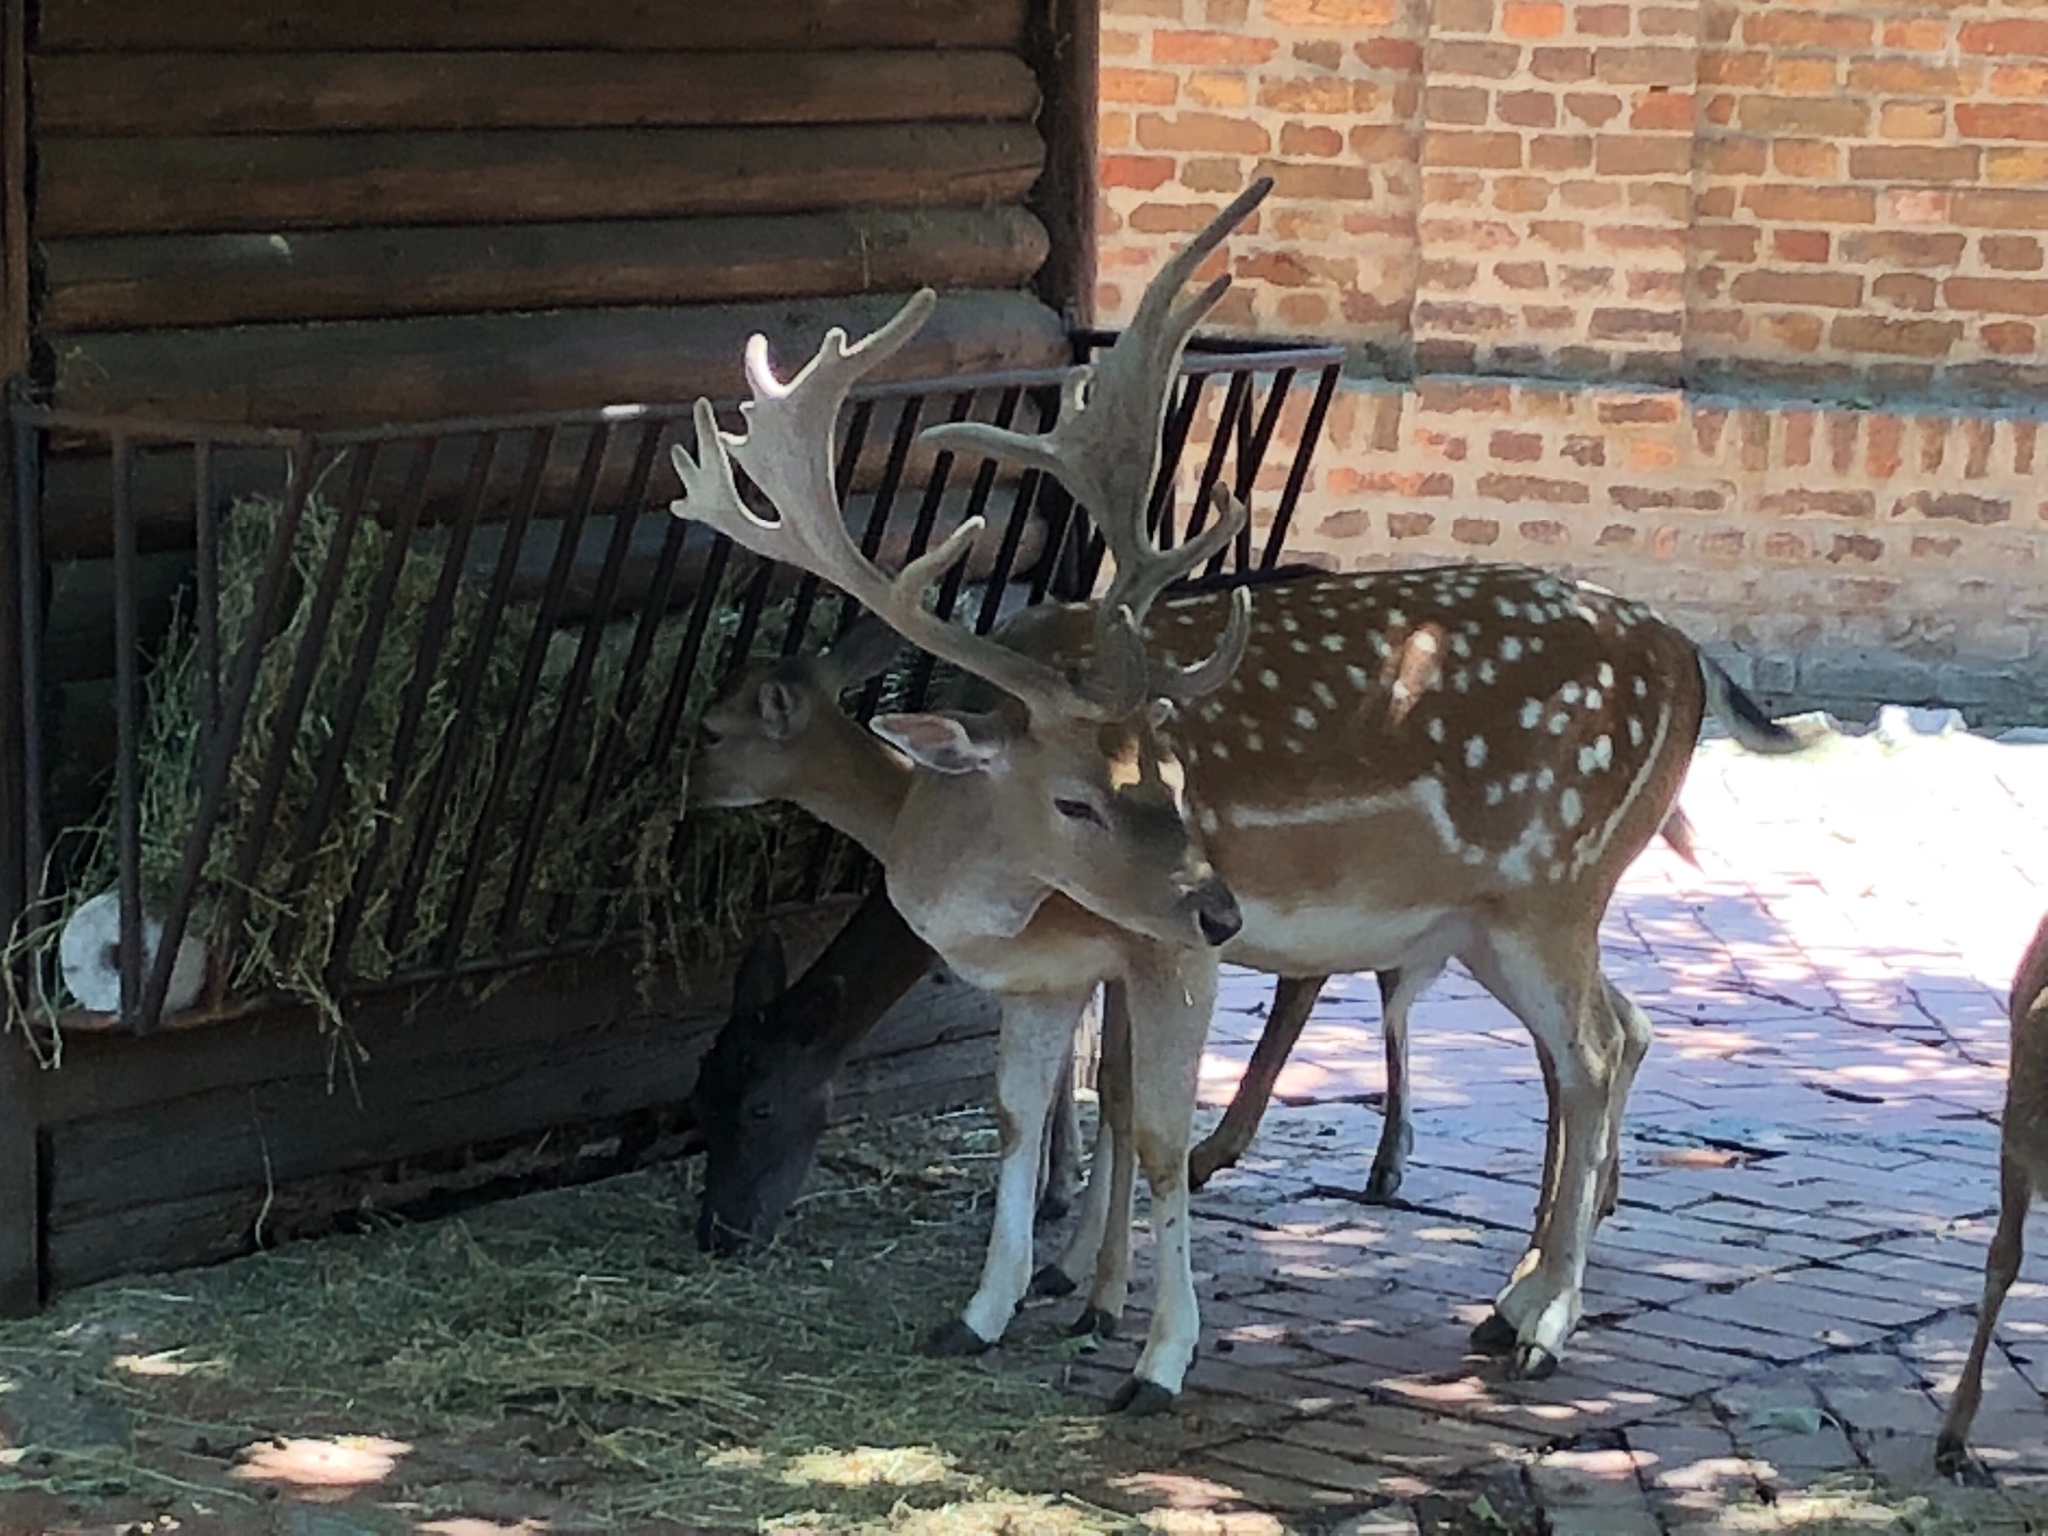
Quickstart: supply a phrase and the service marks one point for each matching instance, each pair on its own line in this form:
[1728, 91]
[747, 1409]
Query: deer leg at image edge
[1036, 1036]
[1293, 1000]
[2015, 1191]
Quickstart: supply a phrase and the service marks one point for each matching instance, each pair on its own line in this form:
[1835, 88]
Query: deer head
[1066, 785]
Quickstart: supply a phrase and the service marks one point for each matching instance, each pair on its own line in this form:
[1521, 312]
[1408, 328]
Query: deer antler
[788, 451]
[1105, 450]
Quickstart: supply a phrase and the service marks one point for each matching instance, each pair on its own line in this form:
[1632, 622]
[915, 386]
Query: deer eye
[760, 1111]
[1078, 810]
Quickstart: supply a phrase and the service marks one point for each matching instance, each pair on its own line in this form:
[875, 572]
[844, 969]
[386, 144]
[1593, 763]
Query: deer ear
[947, 743]
[763, 975]
[778, 706]
[862, 652]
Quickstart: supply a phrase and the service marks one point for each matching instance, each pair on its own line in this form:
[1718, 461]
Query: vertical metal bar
[217, 756]
[128, 740]
[440, 616]
[1251, 459]
[885, 497]
[1219, 445]
[306, 665]
[949, 588]
[1178, 424]
[1297, 476]
[27, 592]
[206, 581]
[513, 729]
[677, 701]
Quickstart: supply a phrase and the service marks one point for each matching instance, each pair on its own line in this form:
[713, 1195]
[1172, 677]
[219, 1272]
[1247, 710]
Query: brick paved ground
[1776, 1315]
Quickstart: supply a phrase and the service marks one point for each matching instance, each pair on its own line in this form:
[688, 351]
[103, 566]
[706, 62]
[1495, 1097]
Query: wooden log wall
[303, 213]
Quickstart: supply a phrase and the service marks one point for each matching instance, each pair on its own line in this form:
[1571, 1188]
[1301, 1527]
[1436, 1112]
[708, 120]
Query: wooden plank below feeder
[369, 372]
[165, 280]
[173, 94]
[282, 25]
[270, 183]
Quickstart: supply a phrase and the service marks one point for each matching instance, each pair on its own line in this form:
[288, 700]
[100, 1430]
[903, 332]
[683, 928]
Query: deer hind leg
[1060, 1173]
[1171, 997]
[1398, 991]
[1552, 984]
[1037, 1032]
[1100, 1249]
[1293, 1000]
[2015, 1192]
[1637, 1036]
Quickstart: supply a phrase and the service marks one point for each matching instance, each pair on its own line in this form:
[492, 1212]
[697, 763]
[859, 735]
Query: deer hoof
[1495, 1336]
[1051, 1280]
[1952, 1459]
[952, 1340]
[1140, 1398]
[1384, 1184]
[1204, 1163]
[1532, 1362]
[1096, 1322]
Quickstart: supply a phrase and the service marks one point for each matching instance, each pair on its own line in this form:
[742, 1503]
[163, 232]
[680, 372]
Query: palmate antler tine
[788, 451]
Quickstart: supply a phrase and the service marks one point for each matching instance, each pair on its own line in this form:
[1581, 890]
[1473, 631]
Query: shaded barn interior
[236, 240]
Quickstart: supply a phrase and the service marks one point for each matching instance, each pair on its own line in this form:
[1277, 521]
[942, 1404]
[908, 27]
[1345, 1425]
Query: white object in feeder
[89, 950]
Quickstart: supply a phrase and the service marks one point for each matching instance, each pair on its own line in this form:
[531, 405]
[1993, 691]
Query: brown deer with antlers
[1406, 768]
[2022, 1173]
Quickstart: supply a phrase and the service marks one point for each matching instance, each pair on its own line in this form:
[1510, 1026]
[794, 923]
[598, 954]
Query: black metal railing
[506, 609]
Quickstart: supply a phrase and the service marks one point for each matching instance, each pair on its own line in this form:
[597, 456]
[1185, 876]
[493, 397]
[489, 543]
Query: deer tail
[1744, 717]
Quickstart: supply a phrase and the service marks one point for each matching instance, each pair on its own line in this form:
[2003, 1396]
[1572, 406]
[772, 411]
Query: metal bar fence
[531, 632]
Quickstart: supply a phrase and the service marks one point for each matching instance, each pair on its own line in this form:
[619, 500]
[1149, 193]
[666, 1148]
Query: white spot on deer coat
[1532, 714]
[1569, 693]
[1305, 718]
[1475, 752]
[1435, 728]
[1268, 678]
[1511, 648]
[1570, 807]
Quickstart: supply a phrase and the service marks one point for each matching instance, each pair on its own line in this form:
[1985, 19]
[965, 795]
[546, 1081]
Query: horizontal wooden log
[296, 1127]
[268, 183]
[369, 372]
[100, 26]
[139, 282]
[169, 94]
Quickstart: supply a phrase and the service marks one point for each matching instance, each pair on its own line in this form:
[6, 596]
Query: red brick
[1146, 173]
[1832, 205]
[1978, 511]
[1603, 20]
[1925, 547]
[1396, 55]
[1528, 20]
[1318, 183]
[1170, 46]
[1491, 151]
[1316, 97]
[1646, 66]
[1410, 525]
[1905, 77]
[1642, 155]
[2008, 338]
[1801, 29]
[1997, 295]
[1522, 275]
[1475, 530]
[1917, 34]
[1561, 66]
[1837, 118]
[1561, 152]
[1898, 248]
[1906, 290]
[1222, 89]
[1203, 132]
[1887, 162]
[2002, 211]
[1545, 530]
[1527, 109]
[1810, 159]
[1486, 61]
[2026, 38]
[1855, 546]
[1150, 87]
[1447, 396]
[1663, 110]
[1616, 535]
[1331, 15]
[1516, 447]
[1784, 546]
[1897, 338]
[1464, 104]
[1533, 488]
[1801, 244]
[1986, 120]
[1310, 139]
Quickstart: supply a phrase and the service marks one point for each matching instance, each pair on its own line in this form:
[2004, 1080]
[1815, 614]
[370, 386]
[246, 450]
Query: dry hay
[608, 859]
[727, 1396]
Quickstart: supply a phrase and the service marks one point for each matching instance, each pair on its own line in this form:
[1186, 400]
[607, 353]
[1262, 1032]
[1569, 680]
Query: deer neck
[853, 782]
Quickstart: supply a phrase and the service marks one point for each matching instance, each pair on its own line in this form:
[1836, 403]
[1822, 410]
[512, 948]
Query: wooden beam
[1065, 50]
[163, 95]
[104, 26]
[157, 280]
[14, 227]
[362, 373]
[268, 183]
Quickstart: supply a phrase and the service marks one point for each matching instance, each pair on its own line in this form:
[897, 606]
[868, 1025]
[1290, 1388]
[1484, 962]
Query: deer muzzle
[1214, 910]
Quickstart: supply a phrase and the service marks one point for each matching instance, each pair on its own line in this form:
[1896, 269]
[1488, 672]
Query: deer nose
[1216, 912]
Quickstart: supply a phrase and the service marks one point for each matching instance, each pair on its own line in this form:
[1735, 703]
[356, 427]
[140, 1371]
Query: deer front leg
[1107, 1194]
[2015, 1192]
[1037, 1034]
[1552, 983]
[1293, 1000]
[1060, 1173]
[1170, 1003]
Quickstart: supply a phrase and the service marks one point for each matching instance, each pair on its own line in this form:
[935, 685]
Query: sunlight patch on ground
[167, 1362]
[865, 1466]
[335, 1467]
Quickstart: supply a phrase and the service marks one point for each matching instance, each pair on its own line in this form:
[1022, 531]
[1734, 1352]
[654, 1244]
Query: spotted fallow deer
[2022, 1174]
[1407, 767]
[1047, 845]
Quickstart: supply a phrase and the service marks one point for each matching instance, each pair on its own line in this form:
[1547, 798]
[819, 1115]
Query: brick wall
[1759, 283]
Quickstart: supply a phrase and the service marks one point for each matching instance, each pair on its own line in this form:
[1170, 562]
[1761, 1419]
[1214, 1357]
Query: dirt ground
[1774, 1317]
